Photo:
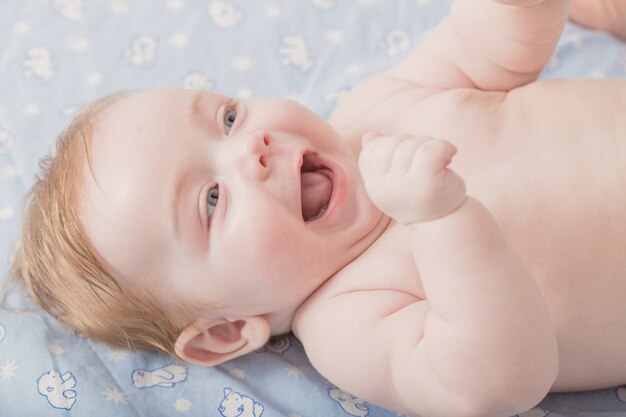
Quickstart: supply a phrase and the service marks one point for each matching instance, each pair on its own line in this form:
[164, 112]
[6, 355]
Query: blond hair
[60, 269]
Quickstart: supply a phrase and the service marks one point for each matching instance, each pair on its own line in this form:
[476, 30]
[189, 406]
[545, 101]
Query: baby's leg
[606, 15]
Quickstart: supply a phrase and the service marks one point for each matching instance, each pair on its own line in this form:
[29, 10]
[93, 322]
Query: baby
[186, 222]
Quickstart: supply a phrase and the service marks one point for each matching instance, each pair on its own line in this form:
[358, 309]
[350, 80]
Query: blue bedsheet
[56, 55]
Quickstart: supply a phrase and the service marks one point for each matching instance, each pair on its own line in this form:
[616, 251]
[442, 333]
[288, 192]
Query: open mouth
[316, 187]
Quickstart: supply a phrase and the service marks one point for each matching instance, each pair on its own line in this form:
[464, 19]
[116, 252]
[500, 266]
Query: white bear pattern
[70, 9]
[277, 344]
[58, 389]
[295, 53]
[223, 15]
[235, 404]
[38, 64]
[397, 43]
[197, 80]
[6, 141]
[165, 377]
[335, 96]
[142, 52]
[349, 403]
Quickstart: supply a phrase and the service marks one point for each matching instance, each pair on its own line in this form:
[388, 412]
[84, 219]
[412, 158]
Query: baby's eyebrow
[186, 228]
[178, 183]
[195, 103]
[201, 104]
[194, 111]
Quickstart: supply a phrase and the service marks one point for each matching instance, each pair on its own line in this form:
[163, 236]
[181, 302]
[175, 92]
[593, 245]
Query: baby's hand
[407, 177]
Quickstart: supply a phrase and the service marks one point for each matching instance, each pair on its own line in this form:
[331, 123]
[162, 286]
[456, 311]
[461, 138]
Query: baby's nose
[257, 143]
[256, 152]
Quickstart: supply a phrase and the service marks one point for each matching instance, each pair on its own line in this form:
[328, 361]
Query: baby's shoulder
[363, 107]
[391, 105]
[382, 278]
[365, 95]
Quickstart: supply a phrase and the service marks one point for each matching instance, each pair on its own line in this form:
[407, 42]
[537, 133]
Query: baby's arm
[480, 345]
[486, 44]
[606, 15]
[485, 346]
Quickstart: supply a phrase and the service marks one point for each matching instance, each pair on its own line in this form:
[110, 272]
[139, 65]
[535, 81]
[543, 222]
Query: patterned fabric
[56, 55]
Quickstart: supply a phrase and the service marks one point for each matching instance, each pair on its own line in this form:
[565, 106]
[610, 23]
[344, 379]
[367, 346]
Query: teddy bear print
[58, 389]
[38, 64]
[224, 15]
[235, 404]
[349, 403]
[294, 52]
[196, 80]
[277, 344]
[6, 141]
[396, 43]
[70, 9]
[142, 52]
[165, 377]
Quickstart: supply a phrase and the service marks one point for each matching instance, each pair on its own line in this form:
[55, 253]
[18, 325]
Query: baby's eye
[230, 115]
[229, 120]
[211, 201]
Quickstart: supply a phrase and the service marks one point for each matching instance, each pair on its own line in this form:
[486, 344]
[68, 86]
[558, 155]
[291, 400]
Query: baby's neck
[281, 321]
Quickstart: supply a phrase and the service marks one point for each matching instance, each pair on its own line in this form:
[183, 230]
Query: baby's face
[203, 200]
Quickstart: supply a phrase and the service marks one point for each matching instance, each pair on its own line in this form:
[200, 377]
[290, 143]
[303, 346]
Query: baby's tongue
[316, 189]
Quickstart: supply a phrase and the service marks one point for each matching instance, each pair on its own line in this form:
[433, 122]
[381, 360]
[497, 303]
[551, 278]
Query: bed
[57, 55]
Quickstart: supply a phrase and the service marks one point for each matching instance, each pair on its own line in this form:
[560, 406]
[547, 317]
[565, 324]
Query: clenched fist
[408, 177]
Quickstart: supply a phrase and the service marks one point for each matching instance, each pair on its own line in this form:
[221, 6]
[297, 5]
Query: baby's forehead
[139, 100]
[148, 107]
[131, 161]
[133, 113]
[160, 96]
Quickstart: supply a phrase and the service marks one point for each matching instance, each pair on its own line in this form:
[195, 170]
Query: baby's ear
[209, 342]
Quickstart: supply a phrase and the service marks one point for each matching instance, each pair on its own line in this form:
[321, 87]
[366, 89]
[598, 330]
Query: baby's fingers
[369, 137]
[405, 154]
[433, 156]
[377, 153]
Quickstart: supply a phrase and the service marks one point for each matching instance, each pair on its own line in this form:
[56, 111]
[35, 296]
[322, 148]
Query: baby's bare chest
[549, 161]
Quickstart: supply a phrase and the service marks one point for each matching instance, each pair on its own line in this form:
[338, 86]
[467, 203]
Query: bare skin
[605, 15]
[472, 255]
[548, 160]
